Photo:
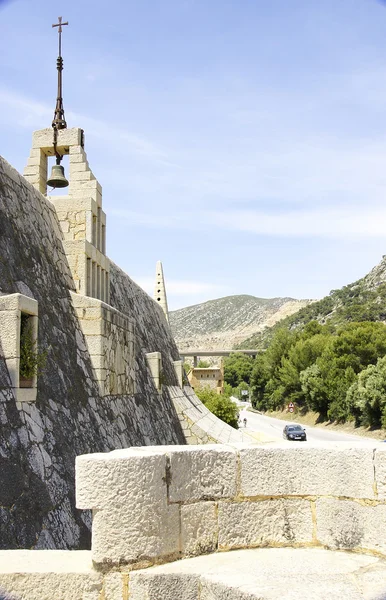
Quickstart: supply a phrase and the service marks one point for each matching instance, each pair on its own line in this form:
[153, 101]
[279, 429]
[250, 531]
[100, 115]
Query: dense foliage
[203, 364]
[219, 405]
[338, 371]
[32, 361]
[237, 369]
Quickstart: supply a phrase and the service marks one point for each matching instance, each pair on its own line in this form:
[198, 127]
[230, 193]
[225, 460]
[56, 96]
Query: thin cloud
[180, 287]
[337, 223]
[333, 223]
[40, 114]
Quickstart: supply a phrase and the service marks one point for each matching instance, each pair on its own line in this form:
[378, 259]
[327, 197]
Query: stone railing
[156, 504]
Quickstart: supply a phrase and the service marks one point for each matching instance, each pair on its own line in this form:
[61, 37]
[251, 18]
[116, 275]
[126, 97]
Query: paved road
[274, 429]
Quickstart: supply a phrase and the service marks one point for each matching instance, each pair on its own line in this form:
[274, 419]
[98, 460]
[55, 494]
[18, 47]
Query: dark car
[294, 432]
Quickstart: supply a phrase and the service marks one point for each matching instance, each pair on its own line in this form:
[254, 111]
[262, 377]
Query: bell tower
[80, 213]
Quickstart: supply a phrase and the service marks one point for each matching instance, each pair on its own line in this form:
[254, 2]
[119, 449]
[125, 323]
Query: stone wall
[71, 415]
[158, 504]
[97, 391]
[300, 506]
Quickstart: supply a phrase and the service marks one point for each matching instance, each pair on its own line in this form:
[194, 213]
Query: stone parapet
[161, 503]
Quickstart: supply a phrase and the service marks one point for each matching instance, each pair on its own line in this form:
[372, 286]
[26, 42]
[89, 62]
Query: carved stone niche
[15, 308]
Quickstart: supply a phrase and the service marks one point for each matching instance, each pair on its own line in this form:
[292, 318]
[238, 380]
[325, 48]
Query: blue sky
[241, 142]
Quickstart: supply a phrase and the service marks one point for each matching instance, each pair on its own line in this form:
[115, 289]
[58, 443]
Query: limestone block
[10, 334]
[168, 586]
[154, 361]
[25, 395]
[44, 138]
[70, 137]
[13, 366]
[80, 166]
[98, 360]
[77, 149]
[179, 369]
[92, 327]
[268, 522]
[65, 226]
[115, 586]
[95, 345]
[77, 158]
[85, 175]
[35, 153]
[202, 473]
[380, 470]
[48, 574]
[68, 204]
[134, 521]
[351, 525]
[83, 186]
[36, 161]
[198, 528]
[304, 470]
[34, 178]
[31, 170]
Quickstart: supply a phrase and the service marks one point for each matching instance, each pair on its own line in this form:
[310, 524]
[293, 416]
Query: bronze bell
[57, 179]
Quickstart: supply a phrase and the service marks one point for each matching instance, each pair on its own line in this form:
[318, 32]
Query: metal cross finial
[59, 121]
[60, 33]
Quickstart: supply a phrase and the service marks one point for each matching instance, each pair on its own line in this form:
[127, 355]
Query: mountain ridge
[362, 300]
[227, 321]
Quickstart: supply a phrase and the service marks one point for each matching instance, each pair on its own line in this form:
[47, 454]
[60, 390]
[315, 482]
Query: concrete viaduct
[199, 353]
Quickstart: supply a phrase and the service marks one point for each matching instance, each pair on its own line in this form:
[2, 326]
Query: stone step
[264, 574]
[258, 574]
[48, 575]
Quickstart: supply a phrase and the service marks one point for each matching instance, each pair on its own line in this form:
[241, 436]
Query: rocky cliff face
[223, 323]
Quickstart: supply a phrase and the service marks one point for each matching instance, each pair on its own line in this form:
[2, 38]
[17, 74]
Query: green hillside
[329, 357]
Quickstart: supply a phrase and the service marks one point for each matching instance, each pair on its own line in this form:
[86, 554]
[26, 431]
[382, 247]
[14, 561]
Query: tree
[237, 368]
[367, 395]
[301, 355]
[203, 364]
[259, 378]
[266, 387]
[219, 405]
[242, 387]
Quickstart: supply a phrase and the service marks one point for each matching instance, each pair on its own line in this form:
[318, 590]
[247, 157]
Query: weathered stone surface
[202, 473]
[73, 417]
[115, 586]
[324, 470]
[44, 575]
[380, 471]
[199, 528]
[265, 574]
[167, 587]
[264, 523]
[351, 525]
[133, 520]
